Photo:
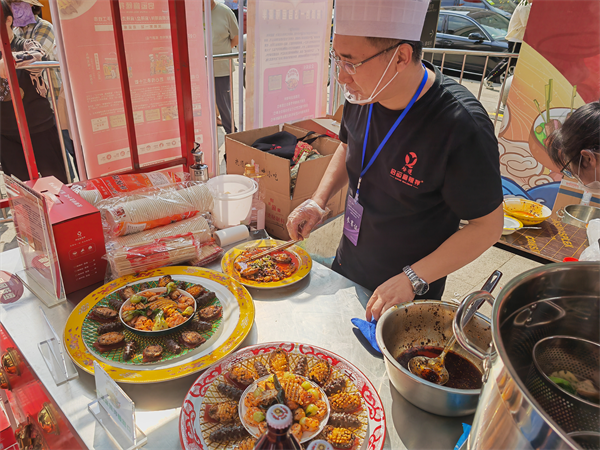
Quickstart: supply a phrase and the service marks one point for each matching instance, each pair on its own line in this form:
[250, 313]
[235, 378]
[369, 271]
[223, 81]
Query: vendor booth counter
[316, 311]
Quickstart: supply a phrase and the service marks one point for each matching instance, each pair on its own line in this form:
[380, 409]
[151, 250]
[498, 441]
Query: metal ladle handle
[471, 304]
[489, 286]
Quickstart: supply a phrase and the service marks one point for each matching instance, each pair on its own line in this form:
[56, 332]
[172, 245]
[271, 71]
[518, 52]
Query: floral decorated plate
[198, 431]
[276, 270]
[227, 334]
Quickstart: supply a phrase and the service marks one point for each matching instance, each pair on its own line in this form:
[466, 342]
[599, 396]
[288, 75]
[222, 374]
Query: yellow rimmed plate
[303, 259]
[238, 317]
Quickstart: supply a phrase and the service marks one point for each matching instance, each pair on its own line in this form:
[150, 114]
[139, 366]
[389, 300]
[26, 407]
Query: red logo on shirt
[405, 175]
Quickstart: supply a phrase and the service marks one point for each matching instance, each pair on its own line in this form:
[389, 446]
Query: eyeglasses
[567, 172]
[349, 67]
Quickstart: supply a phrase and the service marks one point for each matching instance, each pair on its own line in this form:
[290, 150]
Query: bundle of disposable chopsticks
[268, 251]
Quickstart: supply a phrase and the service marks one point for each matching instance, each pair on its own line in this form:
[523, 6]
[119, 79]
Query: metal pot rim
[392, 360]
[498, 344]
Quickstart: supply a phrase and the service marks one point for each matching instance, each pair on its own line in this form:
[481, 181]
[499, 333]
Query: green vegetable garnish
[564, 384]
[311, 410]
[136, 298]
[258, 392]
[171, 287]
[159, 322]
[307, 386]
[258, 416]
[280, 391]
[188, 311]
[129, 315]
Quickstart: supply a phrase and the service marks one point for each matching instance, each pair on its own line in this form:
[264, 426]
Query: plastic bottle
[279, 421]
[256, 216]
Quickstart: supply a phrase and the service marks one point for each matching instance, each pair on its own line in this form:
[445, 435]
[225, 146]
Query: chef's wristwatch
[420, 286]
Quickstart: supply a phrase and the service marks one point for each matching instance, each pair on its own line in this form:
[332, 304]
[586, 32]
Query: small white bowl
[510, 225]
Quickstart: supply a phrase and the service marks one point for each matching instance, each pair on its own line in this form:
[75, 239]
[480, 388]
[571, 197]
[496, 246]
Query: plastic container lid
[320, 444]
[279, 417]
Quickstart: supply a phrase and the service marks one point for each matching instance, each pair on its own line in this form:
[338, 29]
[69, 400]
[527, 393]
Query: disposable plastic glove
[304, 219]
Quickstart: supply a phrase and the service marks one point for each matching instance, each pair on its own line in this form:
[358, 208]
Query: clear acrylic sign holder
[115, 411]
[61, 368]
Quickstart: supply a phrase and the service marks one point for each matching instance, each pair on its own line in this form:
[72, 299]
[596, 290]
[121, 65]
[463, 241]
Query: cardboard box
[276, 174]
[329, 125]
[78, 235]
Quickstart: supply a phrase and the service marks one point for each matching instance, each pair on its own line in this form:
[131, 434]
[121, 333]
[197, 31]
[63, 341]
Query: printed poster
[287, 60]
[558, 71]
[91, 55]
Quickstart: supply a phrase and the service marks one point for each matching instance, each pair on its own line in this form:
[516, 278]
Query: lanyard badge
[354, 210]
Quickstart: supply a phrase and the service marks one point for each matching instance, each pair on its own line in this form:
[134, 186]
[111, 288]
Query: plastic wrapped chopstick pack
[98, 189]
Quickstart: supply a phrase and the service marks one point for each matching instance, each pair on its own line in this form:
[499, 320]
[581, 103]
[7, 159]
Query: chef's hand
[394, 291]
[304, 218]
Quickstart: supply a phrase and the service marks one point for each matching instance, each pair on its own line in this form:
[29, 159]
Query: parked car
[504, 7]
[466, 28]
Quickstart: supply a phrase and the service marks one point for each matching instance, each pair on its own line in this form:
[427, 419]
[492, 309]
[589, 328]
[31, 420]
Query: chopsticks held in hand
[269, 251]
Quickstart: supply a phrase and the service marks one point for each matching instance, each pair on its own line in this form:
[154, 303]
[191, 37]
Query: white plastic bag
[592, 253]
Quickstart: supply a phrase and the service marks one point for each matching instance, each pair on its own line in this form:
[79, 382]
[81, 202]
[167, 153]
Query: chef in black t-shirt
[419, 154]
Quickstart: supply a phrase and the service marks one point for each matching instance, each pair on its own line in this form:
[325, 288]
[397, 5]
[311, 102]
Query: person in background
[40, 118]
[224, 38]
[31, 26]
[233, 5]
[576, 146]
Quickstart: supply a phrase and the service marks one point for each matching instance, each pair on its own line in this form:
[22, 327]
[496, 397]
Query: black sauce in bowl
[463, 373]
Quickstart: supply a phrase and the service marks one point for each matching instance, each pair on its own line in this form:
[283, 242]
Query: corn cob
[344, 402]
[320, 372]
[339, 437]
[278, 361]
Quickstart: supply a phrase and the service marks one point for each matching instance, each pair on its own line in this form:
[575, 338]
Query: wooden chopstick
[269, 251]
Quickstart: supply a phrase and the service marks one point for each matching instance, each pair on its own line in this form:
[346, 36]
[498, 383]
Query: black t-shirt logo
[405, 175]
[410, 160]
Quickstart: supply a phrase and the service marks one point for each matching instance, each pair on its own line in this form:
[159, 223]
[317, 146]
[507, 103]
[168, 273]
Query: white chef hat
[394, 19]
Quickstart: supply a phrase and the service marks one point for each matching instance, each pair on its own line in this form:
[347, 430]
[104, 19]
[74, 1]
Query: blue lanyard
[389, 134]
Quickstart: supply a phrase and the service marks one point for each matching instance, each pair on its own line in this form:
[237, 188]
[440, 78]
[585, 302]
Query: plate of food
[159, 325]
[224, 409]
[278, 269]
[306, 398]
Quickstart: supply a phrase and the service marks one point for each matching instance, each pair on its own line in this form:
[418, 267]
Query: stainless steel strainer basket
[587, 440]
[578, 356]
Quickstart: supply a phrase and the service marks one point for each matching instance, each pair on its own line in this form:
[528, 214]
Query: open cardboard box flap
[276, 170]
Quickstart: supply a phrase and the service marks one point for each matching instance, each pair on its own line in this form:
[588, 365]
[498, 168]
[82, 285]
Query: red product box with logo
[78, 235]
[7, 436]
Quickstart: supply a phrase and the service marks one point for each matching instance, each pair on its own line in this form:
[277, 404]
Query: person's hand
[3, 71]
[304, 218]
[394, 291]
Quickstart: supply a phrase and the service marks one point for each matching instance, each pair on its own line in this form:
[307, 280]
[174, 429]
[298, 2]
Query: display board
[90, 51]
[558, 70]
[287, 60]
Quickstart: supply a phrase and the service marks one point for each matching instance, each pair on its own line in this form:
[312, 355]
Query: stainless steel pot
[578, 215]
[556, 299]
[429, 322]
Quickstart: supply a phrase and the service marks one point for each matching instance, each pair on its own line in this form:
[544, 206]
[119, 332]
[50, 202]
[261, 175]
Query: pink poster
[288, 49]
[91, 55]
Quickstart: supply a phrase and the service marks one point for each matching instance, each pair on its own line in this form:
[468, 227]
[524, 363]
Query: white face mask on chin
[358, 100]
[593, 186]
